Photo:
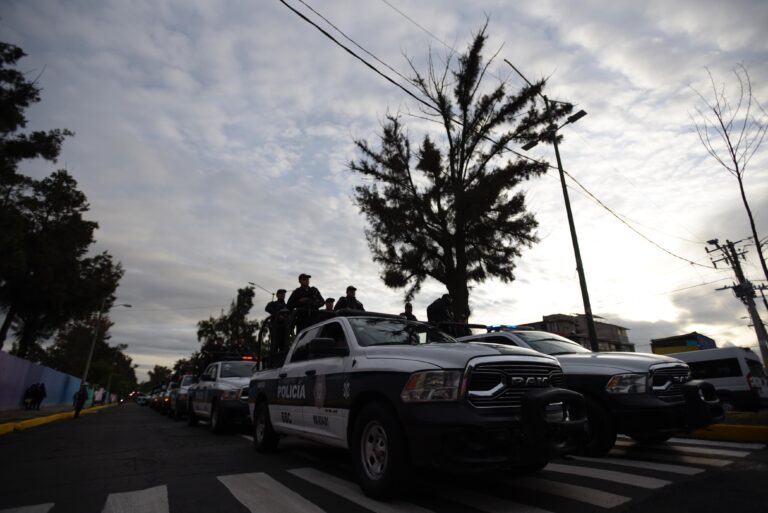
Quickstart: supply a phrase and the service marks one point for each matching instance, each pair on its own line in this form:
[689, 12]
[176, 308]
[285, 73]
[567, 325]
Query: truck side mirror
[324, 347]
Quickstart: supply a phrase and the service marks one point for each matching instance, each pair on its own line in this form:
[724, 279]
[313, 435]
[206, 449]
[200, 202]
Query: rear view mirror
[326, 347]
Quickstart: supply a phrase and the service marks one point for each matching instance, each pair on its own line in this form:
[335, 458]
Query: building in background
[680, 343]
[610, 337]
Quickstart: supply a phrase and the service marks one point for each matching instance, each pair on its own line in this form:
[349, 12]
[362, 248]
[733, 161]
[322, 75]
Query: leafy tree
[110, 365]
[46, 277]
[17, 93]
[453, 214]
[157, 376]
[230, 332]
[732, 127]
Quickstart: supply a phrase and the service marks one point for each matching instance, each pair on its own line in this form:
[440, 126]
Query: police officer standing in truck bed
[305, 301]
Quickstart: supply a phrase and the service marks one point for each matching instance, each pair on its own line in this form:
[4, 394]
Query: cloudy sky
[212, 140]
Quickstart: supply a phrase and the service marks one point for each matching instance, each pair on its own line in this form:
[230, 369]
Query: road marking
[675, 458]
[649, 465]
[609, 475]
[352, 492]
[261, 494]
[725, 445]
[488, 503]
[150, 500]
[573, 492]
[37, 508]
[247, 437]
[692, 450]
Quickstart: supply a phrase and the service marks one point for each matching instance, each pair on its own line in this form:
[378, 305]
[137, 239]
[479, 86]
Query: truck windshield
[549, 343]
[383, 331]
[236, 369]
[186, 381]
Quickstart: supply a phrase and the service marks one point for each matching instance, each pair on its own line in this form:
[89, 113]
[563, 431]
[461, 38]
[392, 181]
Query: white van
[736, 372]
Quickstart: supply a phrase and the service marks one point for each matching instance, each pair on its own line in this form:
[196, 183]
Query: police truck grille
[667, 383]
[495, 385]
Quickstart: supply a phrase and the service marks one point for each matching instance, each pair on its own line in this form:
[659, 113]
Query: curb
[733, 433]
[10, 427]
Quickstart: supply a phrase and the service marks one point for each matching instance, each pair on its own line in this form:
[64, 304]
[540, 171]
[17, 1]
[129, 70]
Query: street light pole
[93, 340]
[592, 332]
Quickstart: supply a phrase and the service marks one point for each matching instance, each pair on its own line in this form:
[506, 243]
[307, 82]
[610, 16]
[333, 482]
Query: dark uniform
[305, 302]
[349, 303]
[409, 316]
[440, 310]
[278, 319]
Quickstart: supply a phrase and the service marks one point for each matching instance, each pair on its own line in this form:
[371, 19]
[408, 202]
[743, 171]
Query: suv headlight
[229, 395]
[432, 386]
[627, 384]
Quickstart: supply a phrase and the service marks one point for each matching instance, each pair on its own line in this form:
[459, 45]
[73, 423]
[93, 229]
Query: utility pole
[744, 290]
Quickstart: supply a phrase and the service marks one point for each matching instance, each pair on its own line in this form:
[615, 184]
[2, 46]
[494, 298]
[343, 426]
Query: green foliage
[46, 275]
[110, 365]
[159, 375]
[453, 214]
[230, 332]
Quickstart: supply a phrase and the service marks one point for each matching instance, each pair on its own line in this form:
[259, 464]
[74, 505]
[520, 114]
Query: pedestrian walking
[79, 399]
[349, 302]
[39, 395]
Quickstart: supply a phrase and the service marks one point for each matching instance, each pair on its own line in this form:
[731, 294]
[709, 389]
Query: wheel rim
[374, 450]
[260, 427]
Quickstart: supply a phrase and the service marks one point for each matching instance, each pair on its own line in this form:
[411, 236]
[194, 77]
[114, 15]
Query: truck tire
[379, 452]
[265, 438]
[216, 421]
[191, 417]
[602, 431]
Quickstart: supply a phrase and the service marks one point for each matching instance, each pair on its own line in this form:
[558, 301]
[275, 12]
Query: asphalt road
[131, 459]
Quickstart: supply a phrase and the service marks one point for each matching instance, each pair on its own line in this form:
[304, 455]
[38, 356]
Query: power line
[432, 107]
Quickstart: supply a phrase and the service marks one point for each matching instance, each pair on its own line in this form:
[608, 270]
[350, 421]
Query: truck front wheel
[265, 438]
[379, 453]
[602, 431]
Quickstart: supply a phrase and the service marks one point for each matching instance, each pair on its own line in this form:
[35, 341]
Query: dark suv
[399, 394]
[646, 396]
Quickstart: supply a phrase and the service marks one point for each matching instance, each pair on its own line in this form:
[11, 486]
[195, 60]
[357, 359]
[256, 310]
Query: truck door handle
[311, 372]
[282, 375]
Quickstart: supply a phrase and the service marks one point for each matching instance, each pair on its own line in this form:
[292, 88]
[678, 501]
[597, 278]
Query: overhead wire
[515, 152]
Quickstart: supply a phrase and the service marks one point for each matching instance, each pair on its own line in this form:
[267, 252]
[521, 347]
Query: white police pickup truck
[221, 394]
[401, 394]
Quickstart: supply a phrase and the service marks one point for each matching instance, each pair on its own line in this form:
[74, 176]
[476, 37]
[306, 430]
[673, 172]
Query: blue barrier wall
[17, 374]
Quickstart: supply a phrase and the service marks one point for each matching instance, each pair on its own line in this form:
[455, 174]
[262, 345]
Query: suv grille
[667, 383]
[502, 385]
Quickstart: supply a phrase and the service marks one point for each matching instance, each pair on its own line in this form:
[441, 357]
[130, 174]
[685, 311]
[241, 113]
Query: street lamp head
[527, 146]
[575, 117]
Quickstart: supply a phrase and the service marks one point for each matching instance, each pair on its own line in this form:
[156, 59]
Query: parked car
[736, 372]
[141, 399]
[221, 394]
[179, 397]
[646, 396]
[401, 394]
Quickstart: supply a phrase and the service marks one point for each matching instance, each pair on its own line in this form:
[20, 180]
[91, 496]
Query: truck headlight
[627, 384]
[432, 386]
[229, 395]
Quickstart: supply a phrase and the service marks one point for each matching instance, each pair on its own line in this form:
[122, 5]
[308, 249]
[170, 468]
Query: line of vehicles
[403, 395]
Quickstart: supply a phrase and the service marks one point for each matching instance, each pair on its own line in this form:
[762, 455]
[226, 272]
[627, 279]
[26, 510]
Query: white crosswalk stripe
[647, 465]
[150, 500]
[689, 449]
[569, 491]
[37, 508]
[674, 458]
[724, 445]
[351, 492]
[609, 475]
[261, 494]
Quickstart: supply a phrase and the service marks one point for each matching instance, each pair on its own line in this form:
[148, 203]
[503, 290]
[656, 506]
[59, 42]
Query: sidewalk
[17, 420]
